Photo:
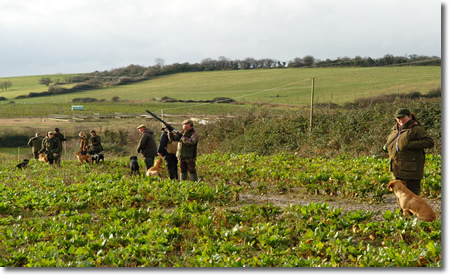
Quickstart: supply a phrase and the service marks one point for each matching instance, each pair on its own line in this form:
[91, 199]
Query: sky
[60, 36]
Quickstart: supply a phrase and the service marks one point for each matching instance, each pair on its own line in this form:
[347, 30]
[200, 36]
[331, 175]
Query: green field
[279, 86]
[99, 216]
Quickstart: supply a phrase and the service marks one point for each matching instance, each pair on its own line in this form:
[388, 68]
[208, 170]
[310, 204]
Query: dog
[409, 201]
[23, 164]
[156, 170]
[96, 157]
[133, 166]
[43, 158]
[81, 158]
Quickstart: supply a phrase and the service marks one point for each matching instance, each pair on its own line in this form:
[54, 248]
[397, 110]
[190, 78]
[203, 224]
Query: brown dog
[156, 170]
[81, 158]
[409, 201]
[42, 158]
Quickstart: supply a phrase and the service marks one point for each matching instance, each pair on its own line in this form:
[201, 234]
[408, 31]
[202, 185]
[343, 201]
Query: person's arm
[422, 140]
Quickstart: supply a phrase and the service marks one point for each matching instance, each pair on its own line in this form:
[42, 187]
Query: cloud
[88, 35]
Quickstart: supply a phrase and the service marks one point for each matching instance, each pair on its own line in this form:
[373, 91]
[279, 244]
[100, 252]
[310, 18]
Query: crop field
[305, 199]
[99, 216]
[278, 86]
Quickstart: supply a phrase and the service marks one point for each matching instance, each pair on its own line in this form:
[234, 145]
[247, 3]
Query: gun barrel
[158, 118]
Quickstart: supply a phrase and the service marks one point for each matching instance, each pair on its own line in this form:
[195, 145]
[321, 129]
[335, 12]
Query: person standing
[167, 149]
[405, 147]
[84, 144]
[95, 143]
[61, 138]
[187, 149]
[51, 148]
[36, 144]
[59, 135]
[147, 145]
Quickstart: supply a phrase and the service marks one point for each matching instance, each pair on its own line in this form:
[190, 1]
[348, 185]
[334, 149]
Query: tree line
[132, 73]
[135, 73]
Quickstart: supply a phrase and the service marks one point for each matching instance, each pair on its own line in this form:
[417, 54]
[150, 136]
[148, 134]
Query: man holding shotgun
[187, 147]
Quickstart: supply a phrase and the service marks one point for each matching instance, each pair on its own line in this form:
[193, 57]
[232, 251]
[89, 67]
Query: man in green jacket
[51, 148]
[187, 149]
[36, 144]
[405, 146]
[95, 143]
[147, 145]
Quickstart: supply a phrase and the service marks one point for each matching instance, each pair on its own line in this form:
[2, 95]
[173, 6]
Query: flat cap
[188, 121]
[402, 112]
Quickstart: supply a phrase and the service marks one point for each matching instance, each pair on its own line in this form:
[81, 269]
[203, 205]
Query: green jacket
[51, 146]
[406, 153]
[36, 143]
[147, 144]
[187, 148]
[95, 144]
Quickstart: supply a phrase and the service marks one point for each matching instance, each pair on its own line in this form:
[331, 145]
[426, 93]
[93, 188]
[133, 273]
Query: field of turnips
[99, 216]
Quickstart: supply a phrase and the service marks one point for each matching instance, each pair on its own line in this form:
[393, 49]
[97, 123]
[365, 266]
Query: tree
[159, 62]
[5, 85]
[308, 60]
[45, 81]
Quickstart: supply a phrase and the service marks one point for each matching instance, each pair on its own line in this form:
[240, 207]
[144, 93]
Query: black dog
[96, 157]
[133, 166]
[23, 164]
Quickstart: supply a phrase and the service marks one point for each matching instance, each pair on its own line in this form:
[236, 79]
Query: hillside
[279, 86]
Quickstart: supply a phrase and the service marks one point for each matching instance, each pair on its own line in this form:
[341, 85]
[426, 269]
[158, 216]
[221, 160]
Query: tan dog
[42, 158]
[156, 170]
[81, 158]
[409, 201]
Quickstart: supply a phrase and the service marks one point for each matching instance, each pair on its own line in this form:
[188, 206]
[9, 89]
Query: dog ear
[391, 185]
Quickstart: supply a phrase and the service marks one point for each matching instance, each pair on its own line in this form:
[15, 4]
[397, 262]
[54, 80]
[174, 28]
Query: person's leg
[414, 186]
[191, 166]
[172, 166]
[183, 167]
[149, 162]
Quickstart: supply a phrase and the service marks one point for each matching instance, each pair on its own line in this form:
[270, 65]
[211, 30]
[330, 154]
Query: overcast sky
[76, 36]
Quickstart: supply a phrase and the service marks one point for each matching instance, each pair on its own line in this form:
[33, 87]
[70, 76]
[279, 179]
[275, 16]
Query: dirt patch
[32, 122]
[301, 198]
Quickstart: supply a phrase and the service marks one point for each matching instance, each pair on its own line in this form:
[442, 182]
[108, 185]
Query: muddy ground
[301, 198]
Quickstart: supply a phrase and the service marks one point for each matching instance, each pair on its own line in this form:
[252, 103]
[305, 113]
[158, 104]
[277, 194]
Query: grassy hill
[279, 86]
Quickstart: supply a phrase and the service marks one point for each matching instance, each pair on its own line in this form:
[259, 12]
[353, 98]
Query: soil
[298, 197]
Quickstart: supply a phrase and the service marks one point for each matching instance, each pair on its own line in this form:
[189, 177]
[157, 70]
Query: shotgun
[169, 127]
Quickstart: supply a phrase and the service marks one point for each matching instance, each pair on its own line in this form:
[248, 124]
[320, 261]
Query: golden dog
[81, 158]
[156, 170]
[42, 158]
[409, 201]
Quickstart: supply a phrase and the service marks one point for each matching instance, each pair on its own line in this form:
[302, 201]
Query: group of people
[176, 147]
[51, 145]
[405, 146]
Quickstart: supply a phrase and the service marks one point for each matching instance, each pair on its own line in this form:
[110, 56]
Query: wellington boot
[193, 177]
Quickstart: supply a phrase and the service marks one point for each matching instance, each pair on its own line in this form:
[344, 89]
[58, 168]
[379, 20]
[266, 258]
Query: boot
[193, 177]
[183, 176]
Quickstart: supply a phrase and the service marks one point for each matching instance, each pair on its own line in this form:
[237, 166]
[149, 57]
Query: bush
[335, 131]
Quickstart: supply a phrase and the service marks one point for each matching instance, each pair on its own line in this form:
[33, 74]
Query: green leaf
[388, 215]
